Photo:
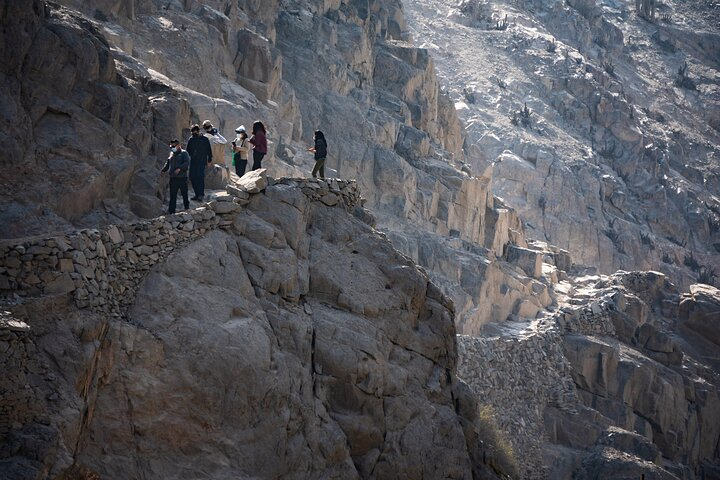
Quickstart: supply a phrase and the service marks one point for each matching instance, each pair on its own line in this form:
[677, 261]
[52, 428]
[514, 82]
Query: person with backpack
[217, 143]
[240, 151]
[320, 151]
[198, 147]
[177, 165]
[259, 144]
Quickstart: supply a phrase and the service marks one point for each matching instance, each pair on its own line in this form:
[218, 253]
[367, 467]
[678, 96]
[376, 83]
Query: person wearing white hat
[240, 151]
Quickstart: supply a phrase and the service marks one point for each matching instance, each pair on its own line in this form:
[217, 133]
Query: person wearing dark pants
[320, 151]
[198, 147]
[259, 143]
[240, 151]
[177, 166]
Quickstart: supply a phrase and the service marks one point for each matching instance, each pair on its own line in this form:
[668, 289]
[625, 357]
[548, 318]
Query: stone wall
[20, 364]
[518, 374]
[102, 268]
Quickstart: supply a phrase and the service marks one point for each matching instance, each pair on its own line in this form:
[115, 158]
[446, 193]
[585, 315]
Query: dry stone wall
[517, 375]
[102, 268]
[20, 364]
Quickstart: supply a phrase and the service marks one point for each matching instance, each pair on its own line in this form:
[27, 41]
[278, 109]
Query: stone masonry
[517, 374]
[102, 268]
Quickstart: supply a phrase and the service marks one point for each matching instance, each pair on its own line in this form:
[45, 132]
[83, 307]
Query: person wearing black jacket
[198, 147]
[177, 165]
[320, 151]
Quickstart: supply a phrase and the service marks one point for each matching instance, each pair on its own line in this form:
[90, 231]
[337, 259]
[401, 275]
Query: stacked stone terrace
[518, 373]
[102, 268]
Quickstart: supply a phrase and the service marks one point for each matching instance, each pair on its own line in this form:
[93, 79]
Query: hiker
[259, 144]
[177, 165]
[320, 151]
[217, 143]
[240, 151]
[198, 146]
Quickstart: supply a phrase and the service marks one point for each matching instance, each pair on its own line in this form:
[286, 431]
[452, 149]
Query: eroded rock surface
[616, 158]
[292, 342]
[611, 385]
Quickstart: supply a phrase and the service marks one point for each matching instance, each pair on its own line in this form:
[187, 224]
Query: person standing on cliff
[240, 151]
[217, 143]
[259, 144]
[177, 165]
[198, 147]
[320, 151]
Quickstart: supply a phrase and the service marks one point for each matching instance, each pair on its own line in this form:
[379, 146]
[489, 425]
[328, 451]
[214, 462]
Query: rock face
[607, 387]
[77, 132]
[381, 107]
[617, 160]
[273, 332]
[292, 342]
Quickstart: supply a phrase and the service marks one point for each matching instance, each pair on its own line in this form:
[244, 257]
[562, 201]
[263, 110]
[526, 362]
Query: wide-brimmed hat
[240, 129]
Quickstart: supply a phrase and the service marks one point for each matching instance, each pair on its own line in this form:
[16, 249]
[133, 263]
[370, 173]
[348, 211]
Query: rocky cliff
[280, 339]
[277, 321]
[600, 122]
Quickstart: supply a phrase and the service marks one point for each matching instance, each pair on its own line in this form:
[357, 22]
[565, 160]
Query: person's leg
[257, 160]
[240, 166]
[174, 185]
[184, 191]
[322, 168]
[201, 185]
[315, 169]
[195, 186]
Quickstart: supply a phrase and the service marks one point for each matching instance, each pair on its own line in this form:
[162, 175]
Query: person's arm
[313, 149]
[184, 162]
[167, 165]
[209, 150]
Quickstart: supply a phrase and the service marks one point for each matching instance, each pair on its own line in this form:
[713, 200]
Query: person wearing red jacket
[259, 143]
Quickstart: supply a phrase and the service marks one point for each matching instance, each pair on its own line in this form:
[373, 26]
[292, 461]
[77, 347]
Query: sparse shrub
[551, 46]
[502, 24]
[525, 116]
[542, 203]
[713, 224]
[667, 259]
[521, 117]
[683, 79]
[502, 456]
[502, 84]
[646, 240]
[609, 67]
[469, 95]
[646, 9]
[609, 151]
[691, 262]
[99, 15]
[707, 275]
[666, 18]
[682, 243]
[614, 237]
